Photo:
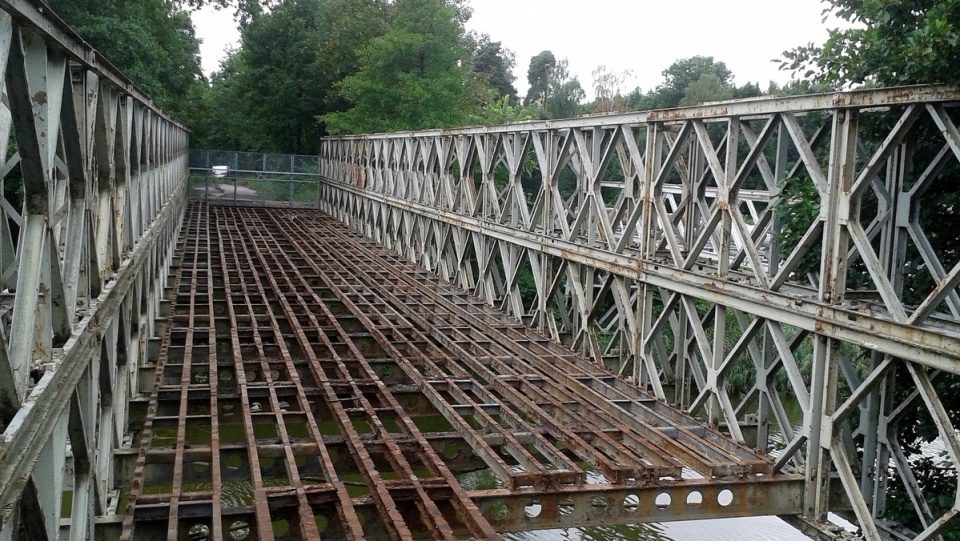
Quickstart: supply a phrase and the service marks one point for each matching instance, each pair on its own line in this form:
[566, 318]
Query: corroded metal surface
[312, 384]
[731, 259]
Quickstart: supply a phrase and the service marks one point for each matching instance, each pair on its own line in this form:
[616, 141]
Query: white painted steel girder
[103, 173]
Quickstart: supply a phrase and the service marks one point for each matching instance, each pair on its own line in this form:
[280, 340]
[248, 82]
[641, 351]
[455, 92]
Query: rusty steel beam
[936, 346]
[680, 247]
[341, 391]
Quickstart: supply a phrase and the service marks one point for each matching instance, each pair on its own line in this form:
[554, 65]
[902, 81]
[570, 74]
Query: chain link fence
[254, 178]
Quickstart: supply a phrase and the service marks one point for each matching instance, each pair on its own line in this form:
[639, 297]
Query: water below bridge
[311, 384]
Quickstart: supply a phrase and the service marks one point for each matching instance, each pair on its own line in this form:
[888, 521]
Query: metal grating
[311, 384]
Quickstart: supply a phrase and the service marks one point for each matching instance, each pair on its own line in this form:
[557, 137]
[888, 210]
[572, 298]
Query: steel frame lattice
[791, 238]
[302, 377]
[653, 238]
[82, 265]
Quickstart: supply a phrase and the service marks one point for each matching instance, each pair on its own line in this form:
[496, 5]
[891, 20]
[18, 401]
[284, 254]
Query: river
[729, 529]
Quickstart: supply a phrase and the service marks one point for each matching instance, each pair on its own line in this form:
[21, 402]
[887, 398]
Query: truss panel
[83, 256]
[795, 240]
[312, 384]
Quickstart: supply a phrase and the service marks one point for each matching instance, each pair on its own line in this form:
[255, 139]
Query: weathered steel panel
[310, 381]
[681, 247]
[73, 281]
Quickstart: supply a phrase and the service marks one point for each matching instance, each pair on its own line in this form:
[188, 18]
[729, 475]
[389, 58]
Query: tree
[552, 90]
[684, 72]
[897, 43]
[280, 76]
[227, 105]
[413, 77]
[268, 95]
[608, 87]
[152, 41]
[891, 43]
[539, 76]
[749, 90]
[708, 87]
[244, 11]
[346, 28]
[494, 66]
[567, 95]
[689, 81]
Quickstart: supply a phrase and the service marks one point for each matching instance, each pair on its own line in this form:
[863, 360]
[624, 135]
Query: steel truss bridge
[546, 324]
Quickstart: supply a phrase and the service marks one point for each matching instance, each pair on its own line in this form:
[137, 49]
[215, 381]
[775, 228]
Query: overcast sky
[641, 36]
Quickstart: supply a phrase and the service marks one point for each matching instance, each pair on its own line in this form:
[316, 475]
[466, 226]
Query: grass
[269, 187]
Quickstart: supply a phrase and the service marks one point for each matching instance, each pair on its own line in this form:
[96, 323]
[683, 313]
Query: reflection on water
[730, 529]
[645, 532]
[480, 480]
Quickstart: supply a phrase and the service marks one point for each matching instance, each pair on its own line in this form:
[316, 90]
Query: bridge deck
[312, 384]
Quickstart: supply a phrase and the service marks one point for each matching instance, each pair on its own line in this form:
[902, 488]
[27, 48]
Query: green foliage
[553, 92]
[685, 72]
[796, 87]
[700, 72]
[566, 98]
[346, 27]
[413, 77]
[493, 65]
[225, 124]
[890, 43]
[539, 75]
[690, 81]
[708, 87]
[267, 95]
[280, 78]
[938, 483]
[152, 41]
[501, 111]
[244, 11]
[749, 90]
[796, 208]
[7, 411]
[896, 43]
[527, 285]
[363, 65]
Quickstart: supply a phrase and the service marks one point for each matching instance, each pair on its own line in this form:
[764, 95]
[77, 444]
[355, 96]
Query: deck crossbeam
[326, 359]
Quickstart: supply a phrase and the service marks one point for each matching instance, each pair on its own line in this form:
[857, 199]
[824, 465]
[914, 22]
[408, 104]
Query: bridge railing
[734, 259]
[93, 175]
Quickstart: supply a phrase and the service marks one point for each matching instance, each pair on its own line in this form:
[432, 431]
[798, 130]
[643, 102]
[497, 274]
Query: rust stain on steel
[310, 384]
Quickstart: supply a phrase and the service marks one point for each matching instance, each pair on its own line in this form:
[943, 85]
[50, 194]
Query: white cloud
[637, 35]
[646, 37]
[218, 33]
